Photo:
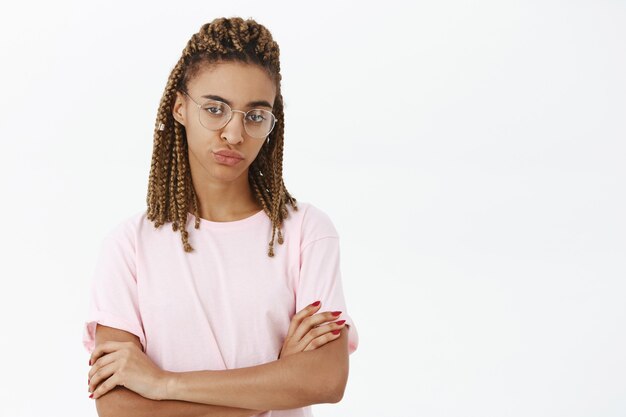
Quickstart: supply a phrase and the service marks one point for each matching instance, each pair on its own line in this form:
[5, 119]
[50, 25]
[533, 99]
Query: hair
[170, 189]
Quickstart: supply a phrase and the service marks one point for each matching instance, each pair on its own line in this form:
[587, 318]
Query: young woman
[214, 322]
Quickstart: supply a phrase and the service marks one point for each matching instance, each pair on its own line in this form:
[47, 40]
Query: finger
[105, 387]
[300, 315]
[101, 375]
[321, 330]
[106, 347]
[102, 361]
[322, 340]
[309, 323]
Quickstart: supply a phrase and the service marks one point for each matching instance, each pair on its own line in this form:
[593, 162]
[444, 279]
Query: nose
[233, 131]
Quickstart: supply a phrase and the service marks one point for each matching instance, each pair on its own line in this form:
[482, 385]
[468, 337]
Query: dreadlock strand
[181, 191]
[263, 197]
[191, 195]
[171, 212]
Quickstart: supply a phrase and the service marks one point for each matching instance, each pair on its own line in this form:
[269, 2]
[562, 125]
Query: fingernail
[315, 304]
[336, 313]
[89, 361]
[91, 396]
[340, 322]
[336, 331]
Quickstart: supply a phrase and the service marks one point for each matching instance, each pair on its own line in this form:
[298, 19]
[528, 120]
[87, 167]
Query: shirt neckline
[234, 224]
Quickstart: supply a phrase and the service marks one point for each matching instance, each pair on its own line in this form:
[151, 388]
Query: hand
[306, 333]
[123, 363]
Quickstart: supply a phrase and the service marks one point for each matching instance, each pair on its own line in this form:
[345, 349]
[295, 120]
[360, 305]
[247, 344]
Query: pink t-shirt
[226, 304]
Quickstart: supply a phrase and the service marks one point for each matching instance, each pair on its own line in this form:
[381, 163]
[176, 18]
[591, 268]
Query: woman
[209, 323]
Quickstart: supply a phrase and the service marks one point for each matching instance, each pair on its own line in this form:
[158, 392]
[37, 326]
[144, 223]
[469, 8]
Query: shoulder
[313, 222]
[125, 230]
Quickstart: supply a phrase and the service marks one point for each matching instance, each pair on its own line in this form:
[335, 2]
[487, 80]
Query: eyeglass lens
[258, 122]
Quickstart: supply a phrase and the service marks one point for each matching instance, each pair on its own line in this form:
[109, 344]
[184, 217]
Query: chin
[227, 173]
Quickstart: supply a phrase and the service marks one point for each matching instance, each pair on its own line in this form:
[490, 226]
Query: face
[239, 84]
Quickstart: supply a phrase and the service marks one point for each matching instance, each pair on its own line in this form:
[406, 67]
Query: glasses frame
[245, 114]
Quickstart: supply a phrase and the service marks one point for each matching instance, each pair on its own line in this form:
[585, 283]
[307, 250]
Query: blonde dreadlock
[170, 189]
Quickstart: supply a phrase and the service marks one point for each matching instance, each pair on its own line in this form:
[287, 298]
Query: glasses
[214, 115]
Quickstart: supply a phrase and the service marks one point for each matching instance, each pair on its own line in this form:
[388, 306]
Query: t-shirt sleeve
[320, 272]
[113, 296]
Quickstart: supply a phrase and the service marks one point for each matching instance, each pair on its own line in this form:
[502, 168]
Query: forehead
[237, 82]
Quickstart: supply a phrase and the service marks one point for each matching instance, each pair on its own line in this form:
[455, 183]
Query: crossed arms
[310, 377]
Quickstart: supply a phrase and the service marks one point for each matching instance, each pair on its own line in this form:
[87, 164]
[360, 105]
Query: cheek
[251, 158]
[257, 149]
[199, 139]
[254, 154]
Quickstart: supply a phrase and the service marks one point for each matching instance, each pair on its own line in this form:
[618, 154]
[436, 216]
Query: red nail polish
[336, 313]
[91, 396]
[315, 304]
[340, 322]
[89, 361]
[336, 331]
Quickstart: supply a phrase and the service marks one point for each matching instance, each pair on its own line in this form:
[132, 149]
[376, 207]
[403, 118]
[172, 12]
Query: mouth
[228, 152]
[226, 160]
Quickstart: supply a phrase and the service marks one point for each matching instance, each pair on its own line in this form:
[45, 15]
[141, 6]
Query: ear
[179, 109]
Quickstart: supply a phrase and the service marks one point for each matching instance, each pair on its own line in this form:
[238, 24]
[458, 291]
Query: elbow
[336, 395]
[325, 390]
[335, 388]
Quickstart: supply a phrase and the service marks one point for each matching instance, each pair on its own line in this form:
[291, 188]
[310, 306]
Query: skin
[223, 191]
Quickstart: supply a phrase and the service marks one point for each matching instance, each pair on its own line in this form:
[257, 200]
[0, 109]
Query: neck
[222, 201]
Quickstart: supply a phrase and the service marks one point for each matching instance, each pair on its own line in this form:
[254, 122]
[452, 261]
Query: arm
[310, 377]
[122, 402]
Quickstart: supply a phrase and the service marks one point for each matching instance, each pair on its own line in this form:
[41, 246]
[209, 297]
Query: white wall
[472, 160]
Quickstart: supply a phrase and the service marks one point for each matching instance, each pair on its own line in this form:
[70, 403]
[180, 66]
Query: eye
[213, 110]
[257, 118]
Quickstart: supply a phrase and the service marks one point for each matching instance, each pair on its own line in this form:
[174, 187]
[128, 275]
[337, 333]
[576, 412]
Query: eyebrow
[255, 103]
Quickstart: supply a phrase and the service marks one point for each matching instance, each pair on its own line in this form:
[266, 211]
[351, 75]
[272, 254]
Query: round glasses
[214, 115]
